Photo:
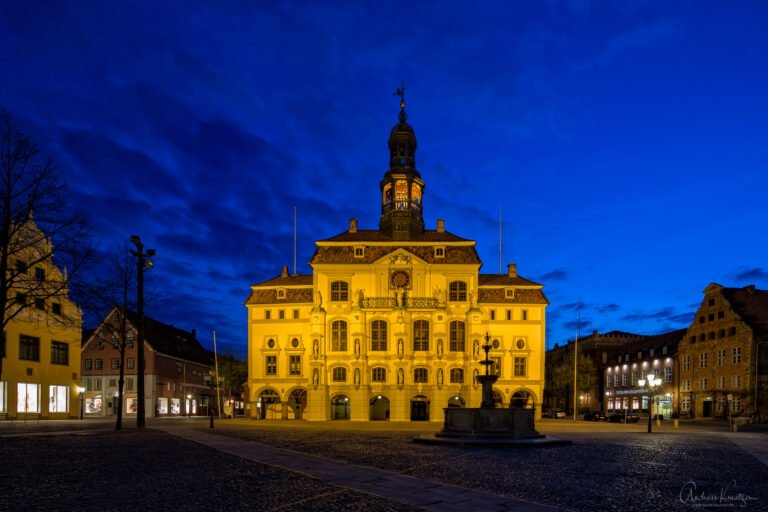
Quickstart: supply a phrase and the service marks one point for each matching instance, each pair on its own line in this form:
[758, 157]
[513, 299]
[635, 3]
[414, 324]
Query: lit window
[58, 399]
[28, 397]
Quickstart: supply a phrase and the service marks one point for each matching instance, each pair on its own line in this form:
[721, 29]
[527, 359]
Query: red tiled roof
[294, 280]
[374, 235]
[670, 339]
[504, 280]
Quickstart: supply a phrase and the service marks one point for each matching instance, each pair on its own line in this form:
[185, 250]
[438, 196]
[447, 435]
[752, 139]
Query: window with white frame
[686, 362]
[721, 357]
[703, 360]
[608, 381]
[668, 375]
[685, 385]
[685, 403]
[58, 398]
[737, 355]
[703, 383]
[28, 397]
[736, 381]
[721, 382]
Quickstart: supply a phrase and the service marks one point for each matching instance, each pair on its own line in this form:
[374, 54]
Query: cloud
[663, 313]
[554, 275]
[751, 274]
[608, 308]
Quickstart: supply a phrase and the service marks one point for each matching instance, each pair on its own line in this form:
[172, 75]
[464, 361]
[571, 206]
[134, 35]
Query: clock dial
[400, 279]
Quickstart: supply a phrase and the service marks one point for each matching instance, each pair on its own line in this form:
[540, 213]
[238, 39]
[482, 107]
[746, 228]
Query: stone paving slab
[405, 489]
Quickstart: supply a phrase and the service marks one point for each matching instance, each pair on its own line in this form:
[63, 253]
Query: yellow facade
[390, 324]
[41, 367]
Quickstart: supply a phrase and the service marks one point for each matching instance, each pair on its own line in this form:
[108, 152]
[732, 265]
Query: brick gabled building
[175, 365]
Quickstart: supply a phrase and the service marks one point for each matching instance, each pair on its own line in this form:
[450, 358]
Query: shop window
[29, 348]
[457, 291]
[421, 335]
[378, 335]
[162, 405]
[457, 339]
[28, 398]
[457, 376]
[58, 398]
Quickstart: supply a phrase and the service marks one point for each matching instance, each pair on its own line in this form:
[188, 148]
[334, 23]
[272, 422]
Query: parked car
[594, 416]
[622, 417]
[553, 413]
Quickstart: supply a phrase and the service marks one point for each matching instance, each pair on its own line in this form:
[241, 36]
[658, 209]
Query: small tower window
[359, 252]
[439, 252]
[509, 293]
[281, 293]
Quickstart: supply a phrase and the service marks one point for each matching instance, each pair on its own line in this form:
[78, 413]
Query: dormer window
[281, 293]
[439, 252]
[509, 293]
[359, 252]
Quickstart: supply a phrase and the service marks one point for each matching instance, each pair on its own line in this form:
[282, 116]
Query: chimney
[512, 269]
[285, 271]
[440, 226]
[750, 289]
[353, 225]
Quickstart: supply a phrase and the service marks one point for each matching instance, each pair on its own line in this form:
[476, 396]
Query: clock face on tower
[400, 279]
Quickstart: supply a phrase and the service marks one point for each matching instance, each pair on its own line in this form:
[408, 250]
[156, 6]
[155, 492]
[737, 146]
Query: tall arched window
[378, 335]
[457, 337]
[339, 336]
[339, 291]
[457, 376]
[420, 335]
[457, 291]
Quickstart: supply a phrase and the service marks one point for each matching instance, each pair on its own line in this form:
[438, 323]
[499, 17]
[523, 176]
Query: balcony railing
[391, 303]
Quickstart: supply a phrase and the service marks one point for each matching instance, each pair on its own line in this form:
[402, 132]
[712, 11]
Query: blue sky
[624, 141]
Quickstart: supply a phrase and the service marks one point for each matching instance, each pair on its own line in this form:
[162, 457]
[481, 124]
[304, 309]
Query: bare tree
[110, 299]
[35, 222]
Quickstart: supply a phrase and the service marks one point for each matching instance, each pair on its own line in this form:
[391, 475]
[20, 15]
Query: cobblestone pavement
[627, 471]
[151, 470]
[604, 469]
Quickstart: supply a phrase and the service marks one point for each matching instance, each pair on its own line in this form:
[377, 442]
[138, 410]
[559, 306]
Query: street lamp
[653, 382]
[81, 389]
[143, 263]
[210, 380]
[189, 406]
[757, 375]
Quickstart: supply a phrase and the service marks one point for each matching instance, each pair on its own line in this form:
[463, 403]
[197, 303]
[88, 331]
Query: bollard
[676, 423]
[658, 421]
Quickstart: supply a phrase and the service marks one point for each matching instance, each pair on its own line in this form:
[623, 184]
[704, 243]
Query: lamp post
[81, 389]
[653, 382]
[212, 382]
[189, 406]
[143, 263]
[757, 374]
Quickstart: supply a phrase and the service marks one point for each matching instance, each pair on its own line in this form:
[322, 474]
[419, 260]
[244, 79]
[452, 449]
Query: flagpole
[575, 359]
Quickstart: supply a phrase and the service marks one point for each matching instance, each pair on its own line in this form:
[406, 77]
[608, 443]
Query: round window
[496, 343]
[520, 344]
[271, 343]
[294, 343]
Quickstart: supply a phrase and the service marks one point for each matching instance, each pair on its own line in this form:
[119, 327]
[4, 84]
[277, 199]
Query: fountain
[511, 426]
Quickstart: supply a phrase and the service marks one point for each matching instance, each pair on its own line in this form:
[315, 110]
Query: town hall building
[390, 324]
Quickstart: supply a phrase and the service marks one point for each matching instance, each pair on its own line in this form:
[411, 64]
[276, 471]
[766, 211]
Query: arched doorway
[267, 405]
[379, 408]
[456, 401]
[498, 400]
[419, 408]
[521, 399]
[340, 407]
[297, 403]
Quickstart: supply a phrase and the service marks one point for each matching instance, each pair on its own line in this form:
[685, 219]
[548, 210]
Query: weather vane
[401, 92]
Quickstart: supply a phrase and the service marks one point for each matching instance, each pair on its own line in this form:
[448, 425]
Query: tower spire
[402, 188]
